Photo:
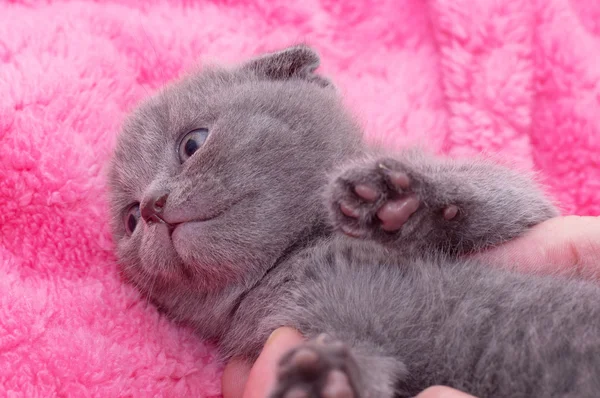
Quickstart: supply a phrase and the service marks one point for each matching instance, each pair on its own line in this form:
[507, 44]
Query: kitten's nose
[152, 207]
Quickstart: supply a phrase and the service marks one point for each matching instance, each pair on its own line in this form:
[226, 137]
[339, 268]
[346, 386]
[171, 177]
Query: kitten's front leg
[420, 202]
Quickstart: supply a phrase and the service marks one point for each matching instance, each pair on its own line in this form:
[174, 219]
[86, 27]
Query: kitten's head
[214, 177]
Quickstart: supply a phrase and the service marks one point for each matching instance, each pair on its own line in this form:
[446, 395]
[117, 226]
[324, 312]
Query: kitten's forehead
[178, 106]
[159, 120]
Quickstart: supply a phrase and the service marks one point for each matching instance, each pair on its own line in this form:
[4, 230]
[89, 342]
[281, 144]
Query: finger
[262, 376]
[443, 392]
[234, 378]
[563, 245]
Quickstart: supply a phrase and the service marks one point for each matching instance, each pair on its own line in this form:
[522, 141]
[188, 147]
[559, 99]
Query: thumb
[442, 392]
[262, 376]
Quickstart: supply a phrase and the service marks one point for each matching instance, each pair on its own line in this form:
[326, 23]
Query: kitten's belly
[452, 322]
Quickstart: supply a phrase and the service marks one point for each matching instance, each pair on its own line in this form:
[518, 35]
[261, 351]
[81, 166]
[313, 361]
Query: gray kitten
[243, 199]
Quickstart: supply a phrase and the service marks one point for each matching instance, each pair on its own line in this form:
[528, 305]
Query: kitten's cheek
[209, 254]
[200, 247]
[184, 238]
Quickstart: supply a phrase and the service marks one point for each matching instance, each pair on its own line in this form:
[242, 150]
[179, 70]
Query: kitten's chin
[158, 256]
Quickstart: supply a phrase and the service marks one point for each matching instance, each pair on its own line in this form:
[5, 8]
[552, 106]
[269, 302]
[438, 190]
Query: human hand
[242, 380]
[564, 245]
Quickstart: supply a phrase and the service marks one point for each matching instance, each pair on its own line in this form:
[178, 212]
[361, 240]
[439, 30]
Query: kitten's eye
[191, 142]
[132, 218]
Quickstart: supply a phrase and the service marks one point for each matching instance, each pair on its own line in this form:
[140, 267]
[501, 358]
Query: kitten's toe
[395, 213]
[304, 359]
[399, 179]
[297, 393]
[367, 192]
[349, 210]
[450, 212]
[337, 385]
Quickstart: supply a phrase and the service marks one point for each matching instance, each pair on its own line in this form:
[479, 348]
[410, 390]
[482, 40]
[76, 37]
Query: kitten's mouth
[157, 219]
[171, 226]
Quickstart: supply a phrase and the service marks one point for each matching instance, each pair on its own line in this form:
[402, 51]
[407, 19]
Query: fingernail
[273, 336]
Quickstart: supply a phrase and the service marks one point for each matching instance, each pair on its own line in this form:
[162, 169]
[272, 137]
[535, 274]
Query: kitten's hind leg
[328, 368]
[419, 202]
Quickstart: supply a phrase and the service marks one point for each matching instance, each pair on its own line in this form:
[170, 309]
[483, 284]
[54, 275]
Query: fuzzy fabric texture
[515, 78]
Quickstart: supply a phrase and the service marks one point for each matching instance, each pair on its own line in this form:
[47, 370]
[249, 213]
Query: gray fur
[265, 250]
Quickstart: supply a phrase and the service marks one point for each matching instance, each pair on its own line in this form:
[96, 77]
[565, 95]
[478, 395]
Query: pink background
[518, 79]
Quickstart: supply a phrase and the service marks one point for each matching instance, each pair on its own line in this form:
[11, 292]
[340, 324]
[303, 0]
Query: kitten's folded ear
[297, 62]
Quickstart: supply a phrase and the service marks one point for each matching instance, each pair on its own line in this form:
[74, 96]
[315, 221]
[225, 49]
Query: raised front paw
[322, 368]
[379, 198]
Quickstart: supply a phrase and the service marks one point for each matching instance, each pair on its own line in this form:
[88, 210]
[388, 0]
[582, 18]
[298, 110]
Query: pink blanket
[517, 78]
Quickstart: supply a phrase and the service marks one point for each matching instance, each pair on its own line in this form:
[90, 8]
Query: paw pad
[379, 199]
[322, 368]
